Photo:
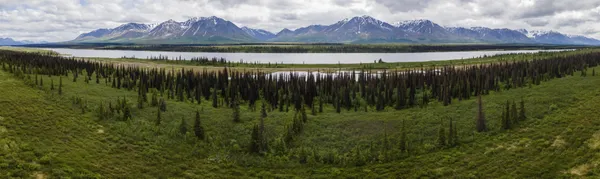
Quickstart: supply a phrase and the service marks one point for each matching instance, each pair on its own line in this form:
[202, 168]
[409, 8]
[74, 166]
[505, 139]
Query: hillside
[47, 134]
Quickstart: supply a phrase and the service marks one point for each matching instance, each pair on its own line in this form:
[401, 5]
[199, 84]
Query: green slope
[44, 134]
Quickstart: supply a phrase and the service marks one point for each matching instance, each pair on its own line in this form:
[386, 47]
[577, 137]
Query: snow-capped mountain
[198, 29]
[363, 28]
[503, 35]
[578, 39]
[126, 31]
[421, 26]
[360, 29]
[428, 32]
[548, 37]
[258, 33]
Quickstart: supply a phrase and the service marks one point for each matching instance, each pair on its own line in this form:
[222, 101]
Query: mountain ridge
[9, 41]
[359, 29]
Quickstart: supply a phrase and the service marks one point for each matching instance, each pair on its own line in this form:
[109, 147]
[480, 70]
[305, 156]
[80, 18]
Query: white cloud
[61, 20]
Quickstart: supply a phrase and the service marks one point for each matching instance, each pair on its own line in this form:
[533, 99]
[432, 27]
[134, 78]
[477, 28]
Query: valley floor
[42, 134]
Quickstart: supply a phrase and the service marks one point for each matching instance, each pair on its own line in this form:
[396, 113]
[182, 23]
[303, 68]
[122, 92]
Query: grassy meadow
[44, 134]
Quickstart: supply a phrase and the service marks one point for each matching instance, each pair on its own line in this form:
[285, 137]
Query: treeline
[306, 48]
[347, 48]
[358, 91]
[345, 91]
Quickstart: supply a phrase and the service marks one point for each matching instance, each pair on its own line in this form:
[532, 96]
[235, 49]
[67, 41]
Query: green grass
[46, 134]
[43, 133]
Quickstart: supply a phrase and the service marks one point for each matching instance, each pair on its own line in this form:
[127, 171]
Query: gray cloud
[61, 20]
[571, 22]
[537, 22]
[404, 5]
[543, 8]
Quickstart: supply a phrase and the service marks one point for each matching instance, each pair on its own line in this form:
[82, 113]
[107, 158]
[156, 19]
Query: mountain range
[362, 29]
[10, 41]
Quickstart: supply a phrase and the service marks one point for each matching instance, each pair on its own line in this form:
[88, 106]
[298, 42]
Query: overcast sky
[61, 20]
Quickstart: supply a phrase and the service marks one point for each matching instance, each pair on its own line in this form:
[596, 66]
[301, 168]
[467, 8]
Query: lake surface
[293, 58]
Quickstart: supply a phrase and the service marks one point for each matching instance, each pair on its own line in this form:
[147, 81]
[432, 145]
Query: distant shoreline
[308, 48]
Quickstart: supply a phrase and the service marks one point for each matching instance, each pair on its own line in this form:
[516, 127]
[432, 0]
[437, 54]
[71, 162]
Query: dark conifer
[522, 115]
[198, 129]
[42, 82]
[481, 122]
[163, 105]
[303, 114]
[514, 115]
[321, 105]
[126, 113]
[183, 127]
[140, 102]
[236, 112]
[158, 118]
[263, 111]
[255, 140]
[60, 85]
[505, 120]
[214, 97]
[154, 101]
[441, 140]
[101, 112]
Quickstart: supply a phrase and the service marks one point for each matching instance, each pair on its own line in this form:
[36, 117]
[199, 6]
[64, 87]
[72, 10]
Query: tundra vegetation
[520, 118]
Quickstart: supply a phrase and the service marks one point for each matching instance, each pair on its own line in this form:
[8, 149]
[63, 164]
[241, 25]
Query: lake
[293, 58]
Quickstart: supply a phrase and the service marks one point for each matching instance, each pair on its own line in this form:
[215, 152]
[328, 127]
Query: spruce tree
[60, 85]
[42, 82]
[101, 112]
[52, 84]
[158, 118]
[198, 129]
[154, 101]
[236, 112]
[263, 136]
[263, 111]
[514, 115]
[505, 120]
[522, 115]
[126, 113]
[313, 110]
[338, 106]
[303, 113]
[163, 105]
[182, 127]
[441, 140]
[140, 103]
[321, 105]
[255, 140]
[75, 76]
[214, 97]
[481, 123]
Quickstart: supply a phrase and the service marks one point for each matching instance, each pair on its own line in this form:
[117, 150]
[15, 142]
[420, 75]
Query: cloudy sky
[61, 20]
